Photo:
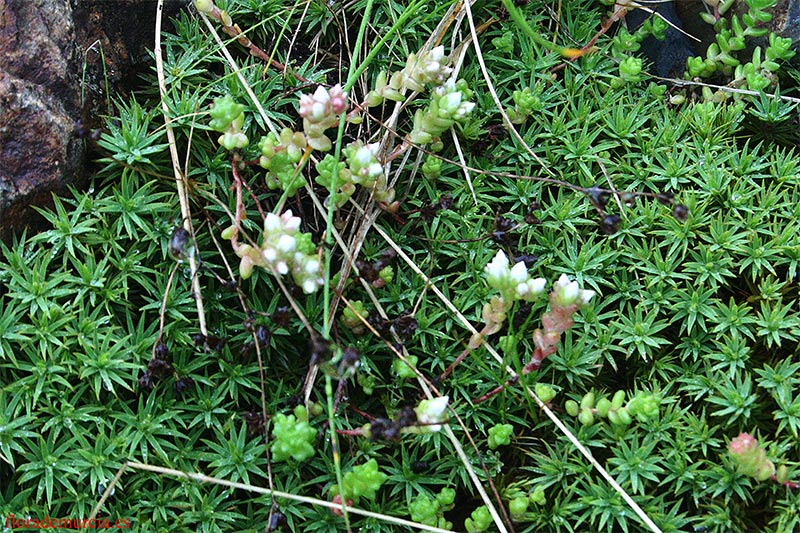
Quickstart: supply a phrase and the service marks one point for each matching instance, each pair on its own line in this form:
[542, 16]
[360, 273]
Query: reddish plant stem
[497, 390]
[350, 432]
[249, 189]
[789, 484]
[463, 355]
[235, 31]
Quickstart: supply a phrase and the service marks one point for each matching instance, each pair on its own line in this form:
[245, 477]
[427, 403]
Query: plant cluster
[732, 34]
[676, 319]
[643, 407]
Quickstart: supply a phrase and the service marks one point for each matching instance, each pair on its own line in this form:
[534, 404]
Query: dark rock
[37, 105]
[785, 21]
[669, 56]
[61, 59]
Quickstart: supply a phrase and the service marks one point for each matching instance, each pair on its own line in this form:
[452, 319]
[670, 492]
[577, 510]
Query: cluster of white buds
[367, 171]
[363, 162]
[363, 168]
[449, 99]
[321, 111]
[453, 100]
[514, 283]
[283, 250]
[567, 293]
[449, 104]
[427, 67]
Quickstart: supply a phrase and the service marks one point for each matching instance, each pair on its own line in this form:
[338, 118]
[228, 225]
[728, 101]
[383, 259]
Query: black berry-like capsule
[681, 212]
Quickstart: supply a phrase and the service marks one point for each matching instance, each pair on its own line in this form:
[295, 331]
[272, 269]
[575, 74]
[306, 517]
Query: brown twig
[236, 32]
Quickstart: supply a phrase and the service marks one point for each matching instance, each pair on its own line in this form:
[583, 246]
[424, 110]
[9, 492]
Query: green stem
[354, 75]
[520, 21]
[326, 318]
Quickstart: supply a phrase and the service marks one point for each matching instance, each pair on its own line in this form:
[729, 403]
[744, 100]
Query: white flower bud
[286, 244]
[464, 109]
[272, 223]
[290, 223]
[519, 273]
[270, 254]
[585, 296]
[537, 285]
[431, 412]
[449, 103]
[522, 290]
[364, 156]
[566, 291]
[312, 266]
[497, 270]
[437, 54]
[318, 110]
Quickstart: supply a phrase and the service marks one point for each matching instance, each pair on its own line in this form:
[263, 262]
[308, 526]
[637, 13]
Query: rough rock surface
[37, 104]
[59, 59]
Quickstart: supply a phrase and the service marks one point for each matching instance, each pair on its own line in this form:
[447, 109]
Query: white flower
[448, 104]
[272, 223]
[585, 296]
[568, 292]
[497, 270]
[519, 273]
[431, 412]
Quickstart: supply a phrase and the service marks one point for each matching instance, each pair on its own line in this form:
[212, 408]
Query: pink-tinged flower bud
[290, 222]
[338, 99]
[742, 444]
[751, 460]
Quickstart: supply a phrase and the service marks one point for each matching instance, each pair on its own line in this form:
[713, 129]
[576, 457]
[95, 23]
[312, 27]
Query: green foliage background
[703, 312]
